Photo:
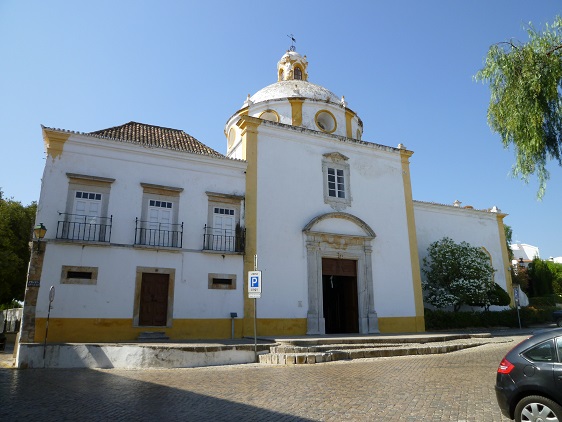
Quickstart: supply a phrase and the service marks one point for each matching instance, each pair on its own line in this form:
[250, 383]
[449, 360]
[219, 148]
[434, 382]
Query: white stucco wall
[113, 294]
[479, 228]
[130, 165]
[290, 195]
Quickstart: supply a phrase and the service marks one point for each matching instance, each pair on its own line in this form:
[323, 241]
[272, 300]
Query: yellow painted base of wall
[402, 325]
[281, 327]
[96, 330]
[87, 330]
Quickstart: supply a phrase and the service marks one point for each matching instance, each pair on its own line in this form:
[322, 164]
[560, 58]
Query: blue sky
[405, 67]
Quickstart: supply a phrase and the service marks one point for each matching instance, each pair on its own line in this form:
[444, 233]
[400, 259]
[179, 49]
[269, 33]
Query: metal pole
[51, 298]
[255, 316]
[516, 295]
[255, 334]
[518, 306]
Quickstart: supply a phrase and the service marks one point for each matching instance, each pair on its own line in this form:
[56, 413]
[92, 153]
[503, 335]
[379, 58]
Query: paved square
[452, 387]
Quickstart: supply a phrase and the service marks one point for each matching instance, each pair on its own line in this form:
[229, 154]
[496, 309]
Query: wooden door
[154, 299]
[339, 291]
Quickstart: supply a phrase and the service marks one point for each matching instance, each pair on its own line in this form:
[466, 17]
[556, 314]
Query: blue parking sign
[254, 284]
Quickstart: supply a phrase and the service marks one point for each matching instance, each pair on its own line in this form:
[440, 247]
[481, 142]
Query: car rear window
[543, 352]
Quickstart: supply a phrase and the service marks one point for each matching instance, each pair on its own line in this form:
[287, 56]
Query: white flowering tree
[457, 274]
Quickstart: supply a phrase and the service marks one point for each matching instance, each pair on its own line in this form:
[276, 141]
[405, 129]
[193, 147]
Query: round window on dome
[270, 115]
[325, 121]
[231, 137]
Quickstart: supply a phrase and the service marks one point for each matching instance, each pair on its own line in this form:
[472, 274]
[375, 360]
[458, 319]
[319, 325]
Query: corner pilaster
[412, 238]
[249, 126]
[505, 257]
[27, 330]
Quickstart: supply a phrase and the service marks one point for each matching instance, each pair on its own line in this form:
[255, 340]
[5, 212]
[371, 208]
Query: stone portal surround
[328, 245]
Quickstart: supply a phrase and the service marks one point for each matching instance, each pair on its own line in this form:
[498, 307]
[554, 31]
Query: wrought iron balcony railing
[84, 227]
[158, 234]
[217, 239]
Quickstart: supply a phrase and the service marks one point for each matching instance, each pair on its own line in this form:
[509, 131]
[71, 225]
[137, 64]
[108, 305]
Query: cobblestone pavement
[456, 386]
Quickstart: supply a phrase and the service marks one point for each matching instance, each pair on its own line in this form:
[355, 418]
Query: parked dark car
[529, 379]
[557, 317]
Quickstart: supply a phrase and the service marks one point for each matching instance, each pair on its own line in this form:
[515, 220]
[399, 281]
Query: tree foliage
[520, 277]
[556, 270]
[457, 274]
[525, 105]
[508, 236]
[545, 277]
[16, 223]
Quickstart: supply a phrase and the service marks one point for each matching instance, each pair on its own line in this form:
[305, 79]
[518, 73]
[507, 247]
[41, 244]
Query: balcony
[158, 234]
[218, 239]
[84, 227]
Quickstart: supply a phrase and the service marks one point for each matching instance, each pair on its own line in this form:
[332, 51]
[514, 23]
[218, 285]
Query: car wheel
[535, 408]
[559, 322]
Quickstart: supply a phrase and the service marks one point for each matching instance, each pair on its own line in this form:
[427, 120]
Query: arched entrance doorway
[340, 276]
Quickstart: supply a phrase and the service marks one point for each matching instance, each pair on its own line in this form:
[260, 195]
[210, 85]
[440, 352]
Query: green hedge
[442, 320]
[549, 300]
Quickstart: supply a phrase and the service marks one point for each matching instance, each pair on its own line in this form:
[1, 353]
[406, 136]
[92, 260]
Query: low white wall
[129, 356]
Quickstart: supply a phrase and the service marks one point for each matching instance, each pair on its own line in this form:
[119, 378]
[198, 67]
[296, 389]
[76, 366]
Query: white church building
[148, 229]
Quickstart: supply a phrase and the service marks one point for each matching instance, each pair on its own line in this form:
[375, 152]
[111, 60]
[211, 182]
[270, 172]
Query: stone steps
[290, 354]
[152, 336]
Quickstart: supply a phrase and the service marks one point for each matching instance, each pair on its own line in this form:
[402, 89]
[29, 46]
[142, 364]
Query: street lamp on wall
[39, 232]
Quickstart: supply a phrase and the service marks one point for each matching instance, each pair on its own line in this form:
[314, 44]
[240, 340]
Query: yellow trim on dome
[296, 111]
[349, 123]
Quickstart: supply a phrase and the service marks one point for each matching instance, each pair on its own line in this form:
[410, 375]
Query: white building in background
[524, 254]
[150, 230]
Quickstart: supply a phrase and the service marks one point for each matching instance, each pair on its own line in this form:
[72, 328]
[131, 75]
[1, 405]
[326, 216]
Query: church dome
[292, 82]
[294, 101]
[292, 89]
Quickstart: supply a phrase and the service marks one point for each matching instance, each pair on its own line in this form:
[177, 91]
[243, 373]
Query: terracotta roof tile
[158, 137]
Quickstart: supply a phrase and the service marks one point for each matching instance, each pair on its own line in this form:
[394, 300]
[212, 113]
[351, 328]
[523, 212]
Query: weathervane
[293, 41]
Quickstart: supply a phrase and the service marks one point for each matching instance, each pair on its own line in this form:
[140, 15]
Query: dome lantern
[292, 66]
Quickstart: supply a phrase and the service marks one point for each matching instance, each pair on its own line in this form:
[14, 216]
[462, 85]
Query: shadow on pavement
[83, 394]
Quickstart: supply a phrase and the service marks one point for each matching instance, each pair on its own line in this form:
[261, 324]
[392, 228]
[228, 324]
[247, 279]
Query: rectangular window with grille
[336, 178]
[336, 183]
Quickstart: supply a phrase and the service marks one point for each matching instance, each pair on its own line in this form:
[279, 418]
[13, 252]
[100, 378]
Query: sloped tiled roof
[157, 137]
